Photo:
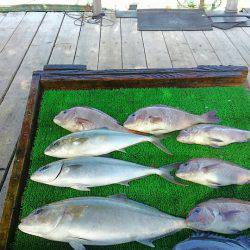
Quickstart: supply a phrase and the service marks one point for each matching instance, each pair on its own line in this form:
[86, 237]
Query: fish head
[188, 169]
[68, 119]
[185, 136]
[58, 147]
[201, 217]
[42, 221]
[144, 120]
[47, 173]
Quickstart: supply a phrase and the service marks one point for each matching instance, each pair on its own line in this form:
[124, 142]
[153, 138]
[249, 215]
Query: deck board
[8, 26]
[156, 50]
[179, 50]
[202, 51]
[133, 55]
[12, 54]
[66, 42]
[13, 106]
[88, 46]
[224, 49]
[29, 41]
[110, 55]
[241, 41]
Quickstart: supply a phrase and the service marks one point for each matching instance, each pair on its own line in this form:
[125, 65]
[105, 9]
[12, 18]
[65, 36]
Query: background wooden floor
[28, 41]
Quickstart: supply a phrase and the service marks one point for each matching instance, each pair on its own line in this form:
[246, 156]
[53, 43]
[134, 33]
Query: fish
[213, 135]
[97, 142]
[82, 173]
[208, 241]
[78, 119]
[213, 172]
[161, 119]
[222, 215]
[100, 221]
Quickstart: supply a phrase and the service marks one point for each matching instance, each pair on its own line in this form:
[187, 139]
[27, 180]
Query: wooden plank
[64, 67]
[13, 106]
[202, 51]
[133, 55]
[2, 15]
[65, 46]
[156, 50]
[14, 51]
[247, 30]
[202, 76]
[3, 191]
[179, 51]
[223, 47]
[88, 46]
[110, 56]
[8, 26]
[241, 41]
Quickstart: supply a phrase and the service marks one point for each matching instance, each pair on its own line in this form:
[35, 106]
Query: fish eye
[197, 210]
[133, 115]
[65, 111]
[38, 211]
[44, 168]
[56, 143]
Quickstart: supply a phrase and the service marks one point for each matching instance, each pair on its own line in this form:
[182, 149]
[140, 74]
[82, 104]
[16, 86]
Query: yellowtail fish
[82, 173]
[97, 142]
[100, 221]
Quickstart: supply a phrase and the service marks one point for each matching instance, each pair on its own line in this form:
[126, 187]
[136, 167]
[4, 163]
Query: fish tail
[159, 145]
[210, 117]
[248, 136]
[165, 172]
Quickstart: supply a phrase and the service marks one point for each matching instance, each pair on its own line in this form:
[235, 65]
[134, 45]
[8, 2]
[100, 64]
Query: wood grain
[13, 106]
[110, 55]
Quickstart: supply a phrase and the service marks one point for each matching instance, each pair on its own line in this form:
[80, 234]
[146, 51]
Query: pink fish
[161, 119]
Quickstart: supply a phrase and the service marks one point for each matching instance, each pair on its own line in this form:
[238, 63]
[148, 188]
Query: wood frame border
[69, 77]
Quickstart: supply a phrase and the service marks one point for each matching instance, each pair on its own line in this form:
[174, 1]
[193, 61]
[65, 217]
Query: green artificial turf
[233, 107]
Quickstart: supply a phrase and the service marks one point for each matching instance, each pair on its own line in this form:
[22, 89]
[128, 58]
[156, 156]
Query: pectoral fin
[210, 168]
[124, 183]
[77, 245]
[146, 243]
[229, 214]
[80, 187]
[214, 141]
[122, 150]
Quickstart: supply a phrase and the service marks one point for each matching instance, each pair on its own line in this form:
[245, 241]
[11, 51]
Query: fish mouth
[56, 120]
[49, 151]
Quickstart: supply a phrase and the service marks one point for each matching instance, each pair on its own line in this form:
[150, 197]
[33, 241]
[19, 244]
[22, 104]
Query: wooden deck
[28, 41]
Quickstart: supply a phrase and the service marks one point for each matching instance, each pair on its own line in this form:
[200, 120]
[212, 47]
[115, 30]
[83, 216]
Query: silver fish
[226, 216]
[213, 172]
[213, 135]
[100, 221]
[82, 173]
[96, 142]
[207, 241]
[161, 119]
[85, 118]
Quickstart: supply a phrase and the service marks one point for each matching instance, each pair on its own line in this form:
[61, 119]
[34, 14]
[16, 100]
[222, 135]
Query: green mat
[233, 107]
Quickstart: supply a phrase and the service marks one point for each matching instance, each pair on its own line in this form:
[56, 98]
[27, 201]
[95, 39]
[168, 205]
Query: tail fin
[158, 144]
[248, 136]
[210, 117]
[165, 173]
